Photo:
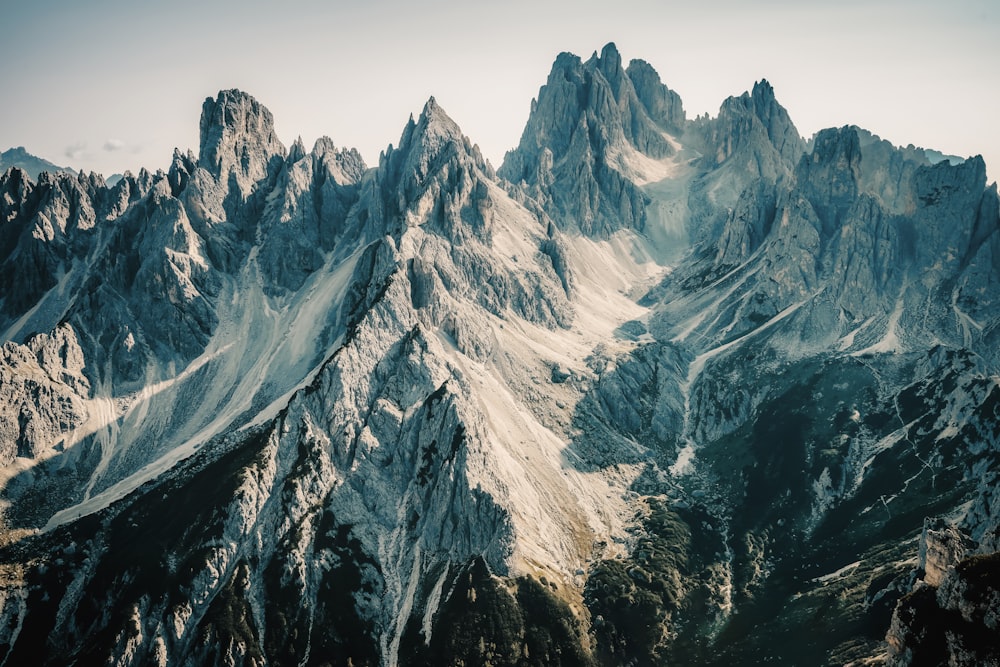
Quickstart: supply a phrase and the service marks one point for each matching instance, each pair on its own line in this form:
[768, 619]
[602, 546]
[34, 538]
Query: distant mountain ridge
[19, 157]
[658, 390]
[33, 166]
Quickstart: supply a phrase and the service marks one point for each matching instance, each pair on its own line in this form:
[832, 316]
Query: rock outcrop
[953, 623]
[751, 139]
[306, 216]
[43, 392]
[238, 140]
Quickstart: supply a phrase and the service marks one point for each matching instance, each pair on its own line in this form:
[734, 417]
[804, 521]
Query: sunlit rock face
[658, 390]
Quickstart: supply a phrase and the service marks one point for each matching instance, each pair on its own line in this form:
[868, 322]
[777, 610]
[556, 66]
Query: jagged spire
[587, 116]
[237, 132]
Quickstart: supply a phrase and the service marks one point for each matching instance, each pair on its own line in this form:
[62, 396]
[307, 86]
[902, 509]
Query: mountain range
[657, 390]
[28, 163]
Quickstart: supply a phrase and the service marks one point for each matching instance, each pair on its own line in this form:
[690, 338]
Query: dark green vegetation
[111, 576]
[664, 595]
[818, 553]
[333, 633]
[138, 557]
[488, 621]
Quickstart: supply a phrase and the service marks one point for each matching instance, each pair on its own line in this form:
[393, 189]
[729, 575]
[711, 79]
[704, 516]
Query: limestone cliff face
[751, 139]
[305, 216]
[755, 130]
[435, 191]
[592, 133]
[663, 105]
[48, 227]
[44, 391]
[238, 140]
[857, 257]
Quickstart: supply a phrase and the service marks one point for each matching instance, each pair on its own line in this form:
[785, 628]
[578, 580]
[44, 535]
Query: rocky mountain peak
[830, 175]
[763, 92]
[427, 140]
[297, 150]
[780, 129]
[345, 165]
[664, 105]
[15, 184]
[323, 146]
[753, 121]
[181, 167]
[237, 136]
[565, 64]
[433, 161]
[592, 134]
[433, 111]
[435, 127]
[610, 64]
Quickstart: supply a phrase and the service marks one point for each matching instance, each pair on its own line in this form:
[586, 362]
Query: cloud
[112, 145]
[76, 150]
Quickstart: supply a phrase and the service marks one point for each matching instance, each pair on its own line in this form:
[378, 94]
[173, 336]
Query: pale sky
[110, 85]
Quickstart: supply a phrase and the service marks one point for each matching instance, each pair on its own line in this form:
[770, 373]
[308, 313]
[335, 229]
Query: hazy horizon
[112, 86]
